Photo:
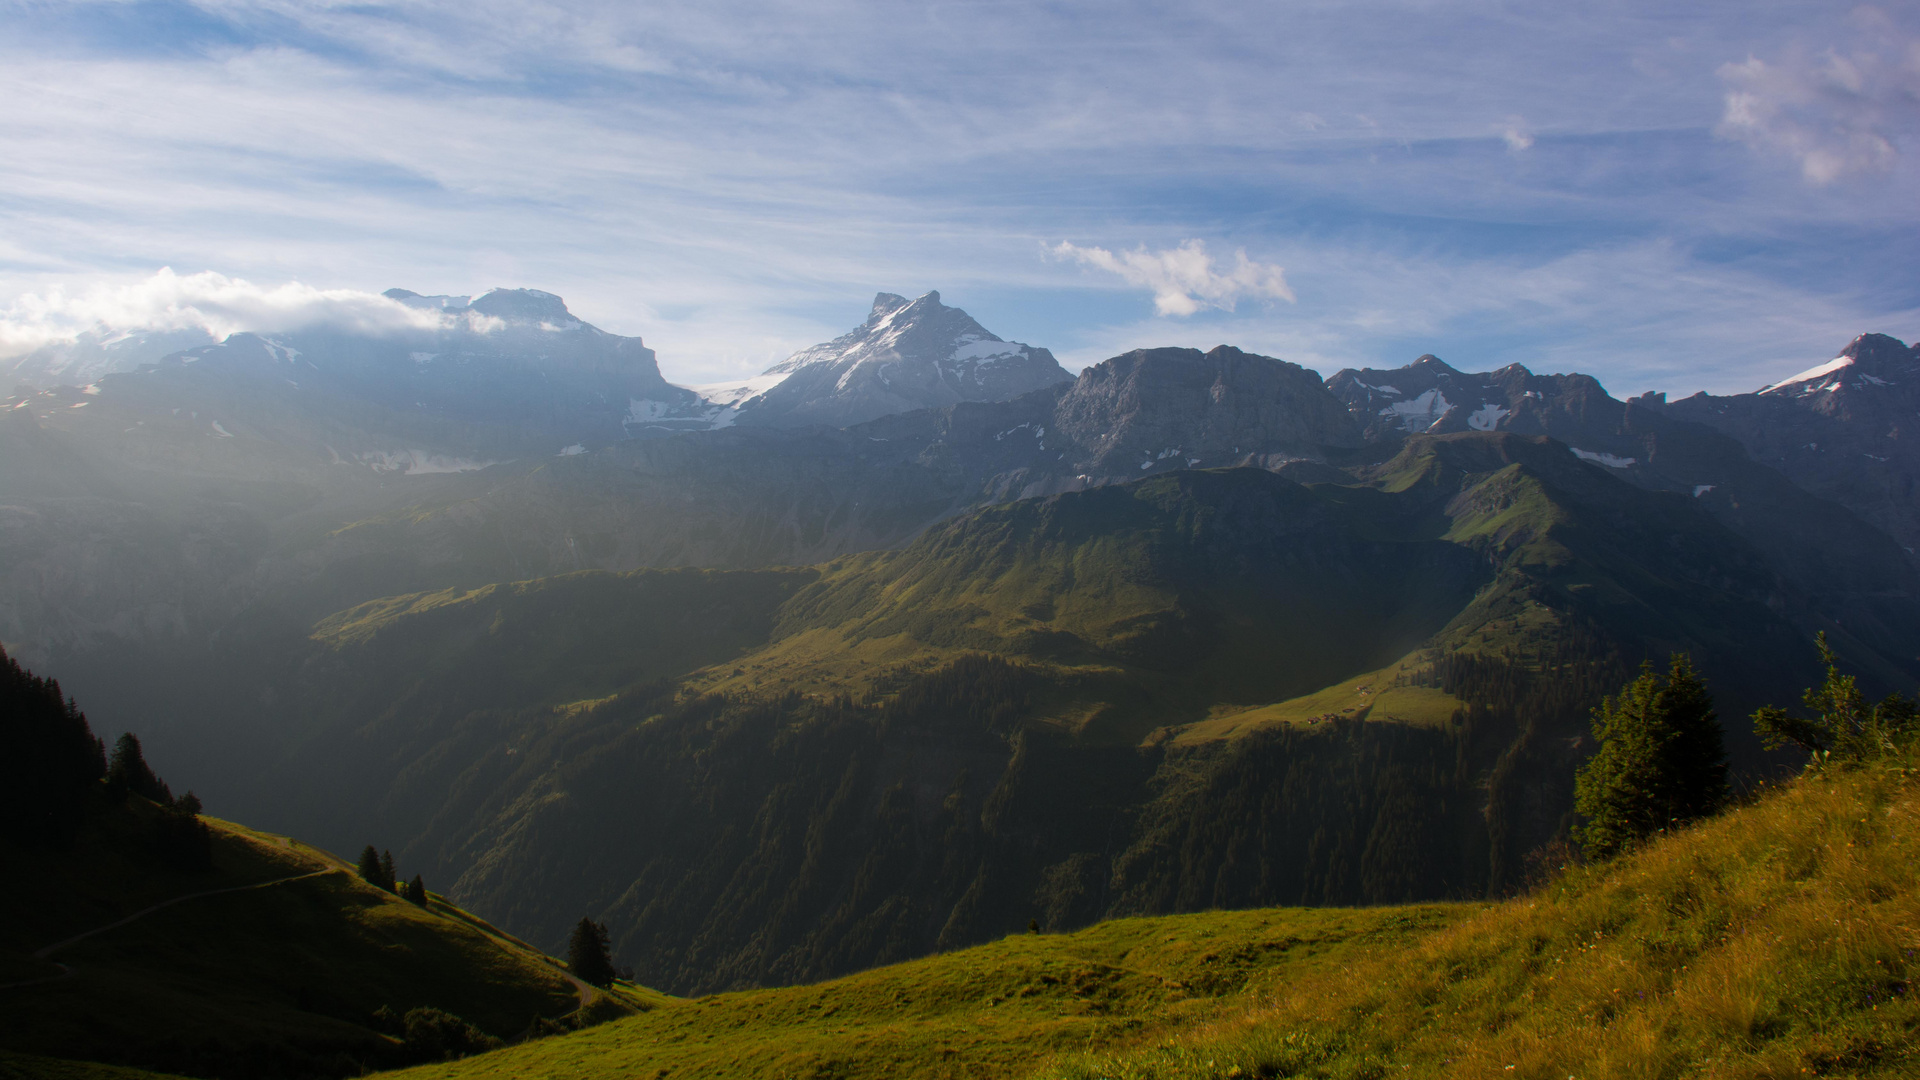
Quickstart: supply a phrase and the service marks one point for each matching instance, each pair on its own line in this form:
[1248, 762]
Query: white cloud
[1638, 316]
[1516, 135]
[1183, 279]
[207, 301]
[1837, 114]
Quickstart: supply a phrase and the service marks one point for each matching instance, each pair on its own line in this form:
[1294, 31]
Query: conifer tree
[1843, 725]
[587, 953]
[387, 877]
[49, 759]
[1662, 760]
[128, 771]
[370, 865]
[417, 891]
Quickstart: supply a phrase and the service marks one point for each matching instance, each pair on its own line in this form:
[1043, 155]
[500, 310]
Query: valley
[787, 706]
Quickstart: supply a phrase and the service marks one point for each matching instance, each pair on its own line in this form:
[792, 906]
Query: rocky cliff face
[1180, 407]
[1847, 430]
[1858, 576]
[908, 355]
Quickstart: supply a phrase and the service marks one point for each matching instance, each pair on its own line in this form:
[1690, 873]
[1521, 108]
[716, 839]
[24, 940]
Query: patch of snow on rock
[418, 462]
[1487, 417]
[570, 451]
[1611, 461]
[1419, 413]
[736, 393]
[220, 431]
[1701, 489]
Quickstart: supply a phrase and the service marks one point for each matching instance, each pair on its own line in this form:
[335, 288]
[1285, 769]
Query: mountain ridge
[909, 354]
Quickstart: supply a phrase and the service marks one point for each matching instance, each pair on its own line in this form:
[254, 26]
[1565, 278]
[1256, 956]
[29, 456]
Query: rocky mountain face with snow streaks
[917, 354]
[1844, 429]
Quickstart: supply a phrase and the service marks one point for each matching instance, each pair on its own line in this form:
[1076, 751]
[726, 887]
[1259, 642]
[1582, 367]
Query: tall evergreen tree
[387, 875]
[1662, 760]
[370, 866]
[49, 759]
[1842, 724]
[417, 891]
[128, 771]
[587, 953]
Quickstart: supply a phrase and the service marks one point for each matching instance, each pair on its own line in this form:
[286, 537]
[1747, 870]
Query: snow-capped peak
[1818, 372]
[908, 354]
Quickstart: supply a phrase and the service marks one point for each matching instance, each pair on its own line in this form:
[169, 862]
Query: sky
[1675, 197]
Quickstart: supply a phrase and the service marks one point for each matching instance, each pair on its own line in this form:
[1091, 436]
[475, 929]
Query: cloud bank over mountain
[206, 301]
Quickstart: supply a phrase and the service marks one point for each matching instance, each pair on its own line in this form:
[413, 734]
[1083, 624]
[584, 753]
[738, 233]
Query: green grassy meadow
[1774, 941]
[282, 977]
[993, 1010]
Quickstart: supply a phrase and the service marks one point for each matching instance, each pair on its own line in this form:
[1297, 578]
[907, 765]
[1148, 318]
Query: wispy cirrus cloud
[1185, 279]
[735, 179]
[1838, 114]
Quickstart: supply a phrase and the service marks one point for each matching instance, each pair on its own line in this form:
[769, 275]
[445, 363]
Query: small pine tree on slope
[1843, 725]
[587, 954]
[129, 772]
[370, 866]
[1662, 760]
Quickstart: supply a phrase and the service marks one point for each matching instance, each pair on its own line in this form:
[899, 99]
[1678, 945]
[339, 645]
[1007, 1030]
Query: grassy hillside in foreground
[35, 1067]
[1775, 941]
[282, 978]
[994, 1010]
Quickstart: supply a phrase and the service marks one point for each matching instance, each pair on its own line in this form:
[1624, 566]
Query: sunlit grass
[1774, 941]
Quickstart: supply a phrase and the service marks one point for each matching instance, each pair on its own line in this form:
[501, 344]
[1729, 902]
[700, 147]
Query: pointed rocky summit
[909, 354]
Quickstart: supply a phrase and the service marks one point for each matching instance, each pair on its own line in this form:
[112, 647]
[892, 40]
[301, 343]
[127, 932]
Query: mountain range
[916, 637]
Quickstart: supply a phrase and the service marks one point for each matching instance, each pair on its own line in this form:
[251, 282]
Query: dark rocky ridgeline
[756, 496]
[1851, 576]
[1843, 430]
[1179, 408]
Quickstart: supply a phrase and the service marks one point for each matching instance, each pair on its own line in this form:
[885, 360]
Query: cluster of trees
[1662, 760]
[430, 1034]
[176, 834]
[589, 956]
[376, 868]
[52, 767]
[50, 760]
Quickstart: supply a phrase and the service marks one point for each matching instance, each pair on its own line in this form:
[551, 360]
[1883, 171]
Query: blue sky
[1708, 197]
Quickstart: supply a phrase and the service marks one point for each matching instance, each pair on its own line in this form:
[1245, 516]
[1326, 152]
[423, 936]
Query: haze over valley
[1392, 551]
